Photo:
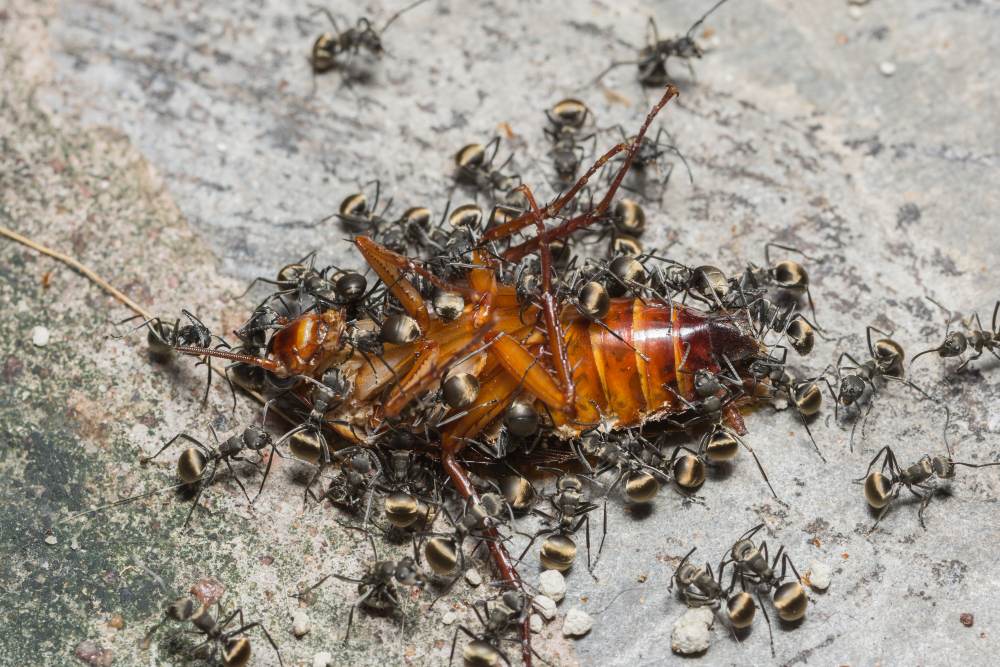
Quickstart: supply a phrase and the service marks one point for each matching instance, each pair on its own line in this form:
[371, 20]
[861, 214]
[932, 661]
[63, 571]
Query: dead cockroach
[652, 58]
[544, 354]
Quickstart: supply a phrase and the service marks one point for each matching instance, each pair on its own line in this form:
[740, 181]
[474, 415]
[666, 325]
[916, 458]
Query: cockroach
[577, 372]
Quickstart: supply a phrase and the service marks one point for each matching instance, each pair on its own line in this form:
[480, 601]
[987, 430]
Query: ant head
[706, 383]
[852, 388]
[943, 467]
[744, 550]
[686, 47]
[256, 438]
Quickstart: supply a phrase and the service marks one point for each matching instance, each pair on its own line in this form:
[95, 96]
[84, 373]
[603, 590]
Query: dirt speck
[92, 653]
[967, 620]
[208, 591]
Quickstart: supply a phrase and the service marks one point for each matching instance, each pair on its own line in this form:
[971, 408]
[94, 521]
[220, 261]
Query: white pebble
[553, 584]
[545, 606]
[473, 577]
[855, 12]
[819, 575]
[323, 659]
[887, 68]
[40, 336]
[536, 623]
[301, 624]
[577, 623]
[448, 617]
[51, 539]
[691, 633]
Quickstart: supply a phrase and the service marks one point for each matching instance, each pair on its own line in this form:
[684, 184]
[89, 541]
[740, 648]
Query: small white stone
[40, 336]
[536, 623]
[552, 583]
[301, 624]
[887, 68]
[51, 539]
[855, 12]
[577, 623]
[323, 659]
[74, 545]
[473, 577]
[545, 606]
[448, 617]
[819, 575]
[691, 633]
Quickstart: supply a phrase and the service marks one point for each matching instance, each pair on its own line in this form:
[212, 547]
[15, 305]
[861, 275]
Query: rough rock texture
[176, 148]
[692, 632]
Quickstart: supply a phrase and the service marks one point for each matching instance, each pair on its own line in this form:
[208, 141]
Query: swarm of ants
[516, 359]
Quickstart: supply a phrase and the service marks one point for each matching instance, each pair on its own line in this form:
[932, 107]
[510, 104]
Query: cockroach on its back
[636, 363]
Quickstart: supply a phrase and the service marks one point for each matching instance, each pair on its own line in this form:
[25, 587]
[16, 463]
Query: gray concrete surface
[176, 147]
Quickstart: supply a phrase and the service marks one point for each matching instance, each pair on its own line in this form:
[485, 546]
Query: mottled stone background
[176, 147]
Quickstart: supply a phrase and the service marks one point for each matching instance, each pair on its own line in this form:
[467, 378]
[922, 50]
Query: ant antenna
[413, 5]
[704, 16]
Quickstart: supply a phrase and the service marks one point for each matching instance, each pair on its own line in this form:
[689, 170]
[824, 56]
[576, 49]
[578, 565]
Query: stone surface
[553, 584]
[176, 148]
[301, 623]
[577, 623]
[692, 632]
[545, 606]
[819, 575]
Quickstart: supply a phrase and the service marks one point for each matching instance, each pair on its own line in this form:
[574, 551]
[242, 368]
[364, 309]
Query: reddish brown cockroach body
[635, 365]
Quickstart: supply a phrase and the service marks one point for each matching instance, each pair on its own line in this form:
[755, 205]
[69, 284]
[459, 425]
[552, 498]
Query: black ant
[882, 486]
[787, 275]
[568, 118]
[700, 587]
[858, 385]
[511, 612]
[571, 510]
[329, 47]
[377, 585]
[652, 58]
[753, 565]
[193, 461]
[475, 169]
[227, 645]
[977, 339]
[804, 395]
[648, 156]
[719, 445]
[359, 471]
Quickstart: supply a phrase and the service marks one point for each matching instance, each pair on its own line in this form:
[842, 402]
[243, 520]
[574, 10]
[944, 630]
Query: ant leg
[563, 230]
[416, 380]
[770, 632]
[257, 624]
[759, 466]
[147, 459]
[201, 489]
[237, 478]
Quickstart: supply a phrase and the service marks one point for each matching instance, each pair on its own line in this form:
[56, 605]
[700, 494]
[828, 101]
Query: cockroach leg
[381, 260]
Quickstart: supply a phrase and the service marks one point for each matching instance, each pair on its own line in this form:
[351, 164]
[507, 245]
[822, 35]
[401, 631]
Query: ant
[652, 58]
[229, 645]
[445, 551]
[193, 461]
[699, 587]
[504, 617]
[571, 511]
[787, 275]
[377, 585]
[648, 156]
[886, 363]
[330, 46]
[635, 475]
[882, 486]
[752, 564]
[718, 445]
[979, 340]
[325, 396]
[359, 470]
[163, 338]
[567, 118]
[475, 170]
[804, 394]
